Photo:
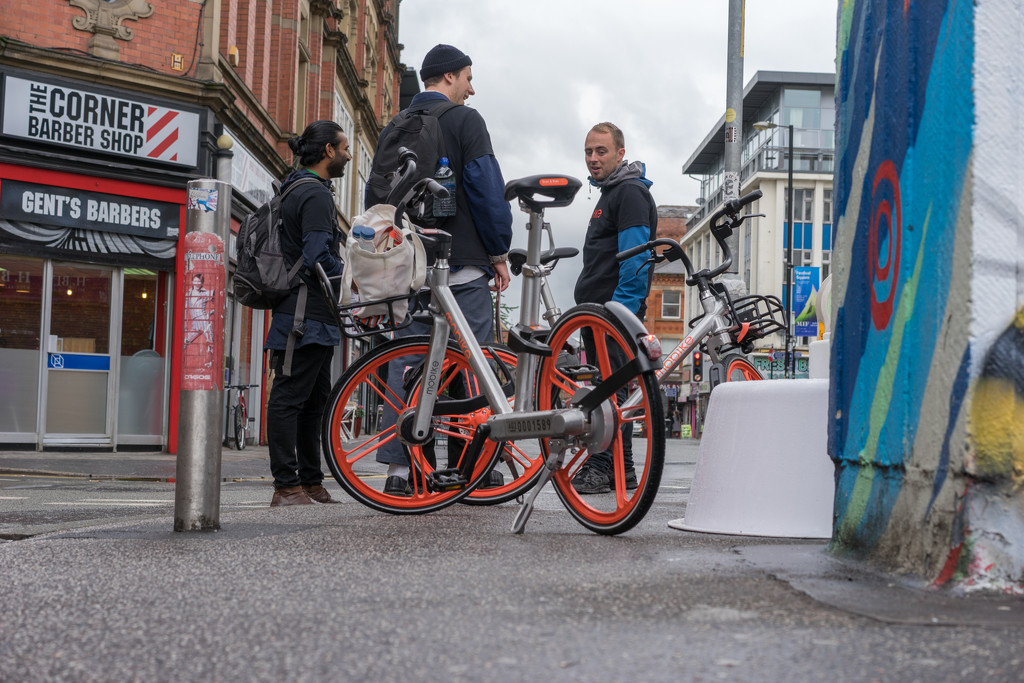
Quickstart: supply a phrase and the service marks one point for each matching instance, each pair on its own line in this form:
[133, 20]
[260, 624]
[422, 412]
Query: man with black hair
[302, 382]
[625, 217]
[482, 225]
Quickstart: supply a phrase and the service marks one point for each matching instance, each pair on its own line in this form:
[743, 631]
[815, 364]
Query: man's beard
[336, 168]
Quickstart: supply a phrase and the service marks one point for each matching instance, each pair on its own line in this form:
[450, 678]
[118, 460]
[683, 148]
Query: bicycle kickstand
[556, 455]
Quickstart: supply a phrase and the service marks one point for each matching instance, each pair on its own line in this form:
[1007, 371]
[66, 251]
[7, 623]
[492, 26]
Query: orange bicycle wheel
[739, 369]
[610, 346]
[519, 463]
[352, 455]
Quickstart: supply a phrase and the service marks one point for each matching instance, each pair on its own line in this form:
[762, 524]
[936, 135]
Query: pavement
[251, 463]
[132, 598]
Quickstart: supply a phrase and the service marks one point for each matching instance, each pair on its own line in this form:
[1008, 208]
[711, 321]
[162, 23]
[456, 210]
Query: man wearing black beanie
[482, 225]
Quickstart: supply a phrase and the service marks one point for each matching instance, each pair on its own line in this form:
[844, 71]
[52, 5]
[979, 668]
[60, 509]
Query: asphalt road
[343, 593]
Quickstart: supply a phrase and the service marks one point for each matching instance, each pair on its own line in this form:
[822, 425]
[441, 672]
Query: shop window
[80, 314]
[21, 313]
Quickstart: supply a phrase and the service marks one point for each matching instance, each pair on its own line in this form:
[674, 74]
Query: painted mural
[920, 398]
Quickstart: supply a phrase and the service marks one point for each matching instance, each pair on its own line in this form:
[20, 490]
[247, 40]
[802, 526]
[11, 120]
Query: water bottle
[446, 178]
[364, 235]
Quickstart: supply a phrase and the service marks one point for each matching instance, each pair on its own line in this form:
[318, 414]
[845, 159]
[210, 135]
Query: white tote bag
[393, 269]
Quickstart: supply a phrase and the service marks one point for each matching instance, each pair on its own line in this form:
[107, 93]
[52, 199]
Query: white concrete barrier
[763, 467]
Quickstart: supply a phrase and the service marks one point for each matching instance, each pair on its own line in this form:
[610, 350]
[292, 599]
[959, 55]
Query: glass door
[141, 383]
[78, 359]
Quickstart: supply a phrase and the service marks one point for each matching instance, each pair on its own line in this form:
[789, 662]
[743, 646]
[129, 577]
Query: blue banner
[806, 280]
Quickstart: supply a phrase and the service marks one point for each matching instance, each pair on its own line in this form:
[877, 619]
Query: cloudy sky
[545, 71]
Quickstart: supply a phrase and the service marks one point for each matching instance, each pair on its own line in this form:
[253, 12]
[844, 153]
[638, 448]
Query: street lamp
[788, 284]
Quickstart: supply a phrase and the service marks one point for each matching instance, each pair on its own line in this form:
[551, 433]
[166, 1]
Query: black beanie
[441, 59]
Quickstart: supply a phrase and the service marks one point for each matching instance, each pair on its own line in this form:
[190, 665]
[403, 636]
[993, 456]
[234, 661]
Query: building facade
[774, 101]
[665, 309]
[110, 107]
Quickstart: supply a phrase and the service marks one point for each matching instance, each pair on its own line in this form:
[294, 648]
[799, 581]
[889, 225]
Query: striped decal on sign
[161, 134]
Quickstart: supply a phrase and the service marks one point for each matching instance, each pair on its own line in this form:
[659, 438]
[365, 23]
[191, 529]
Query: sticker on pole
[203, 199]
[204, 294]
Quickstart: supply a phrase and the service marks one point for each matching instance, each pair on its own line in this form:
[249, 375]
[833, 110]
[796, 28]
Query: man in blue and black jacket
[625, 216]
[481, 228]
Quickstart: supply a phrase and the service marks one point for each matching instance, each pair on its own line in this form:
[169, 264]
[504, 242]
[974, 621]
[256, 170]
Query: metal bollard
[201, 400]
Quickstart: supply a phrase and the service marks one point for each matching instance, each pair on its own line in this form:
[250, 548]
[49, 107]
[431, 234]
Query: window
[343, 185]
[365, 164]
[21, 300]
[303, 73]
[826, 236]
[671, 301]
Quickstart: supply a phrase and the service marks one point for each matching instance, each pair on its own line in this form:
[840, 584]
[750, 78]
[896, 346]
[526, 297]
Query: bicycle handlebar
[418, 194]
[721, 232]
[733, 206]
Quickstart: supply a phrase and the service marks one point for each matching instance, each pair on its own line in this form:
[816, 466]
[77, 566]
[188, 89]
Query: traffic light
[698, 366]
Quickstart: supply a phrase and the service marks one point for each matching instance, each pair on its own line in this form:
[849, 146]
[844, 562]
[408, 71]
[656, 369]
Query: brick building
[665, 304]
[110, 107]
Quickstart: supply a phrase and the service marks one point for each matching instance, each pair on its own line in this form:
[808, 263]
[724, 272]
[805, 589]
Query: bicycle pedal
[440, 481]
[581, 373]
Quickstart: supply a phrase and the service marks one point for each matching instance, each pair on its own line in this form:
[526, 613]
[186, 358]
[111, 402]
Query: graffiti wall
[926, 385]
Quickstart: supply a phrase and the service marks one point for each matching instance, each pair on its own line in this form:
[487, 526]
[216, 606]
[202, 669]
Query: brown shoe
[319, 494]
[290, 495]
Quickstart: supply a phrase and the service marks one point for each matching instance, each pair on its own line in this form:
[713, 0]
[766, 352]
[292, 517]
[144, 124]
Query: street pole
[789, 263]
[734, 111]
[201, 399]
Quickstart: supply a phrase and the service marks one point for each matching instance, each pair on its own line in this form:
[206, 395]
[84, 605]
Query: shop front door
[78, 386]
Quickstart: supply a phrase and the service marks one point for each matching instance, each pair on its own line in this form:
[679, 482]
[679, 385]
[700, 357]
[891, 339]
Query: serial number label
[530, 424]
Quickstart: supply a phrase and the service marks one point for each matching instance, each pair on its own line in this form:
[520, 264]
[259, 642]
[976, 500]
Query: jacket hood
[627, 170]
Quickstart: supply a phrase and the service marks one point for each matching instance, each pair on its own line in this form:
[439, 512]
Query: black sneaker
[630, 479]
[397, 486]
[589, 480]
[493, 480]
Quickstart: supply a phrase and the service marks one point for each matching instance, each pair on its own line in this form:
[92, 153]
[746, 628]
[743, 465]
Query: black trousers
[293, 415]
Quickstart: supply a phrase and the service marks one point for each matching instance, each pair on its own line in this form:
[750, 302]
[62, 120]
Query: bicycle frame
[714, 325]
[507, 423]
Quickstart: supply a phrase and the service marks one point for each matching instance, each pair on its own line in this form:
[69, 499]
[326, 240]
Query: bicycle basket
[752, 317]
[355, 327]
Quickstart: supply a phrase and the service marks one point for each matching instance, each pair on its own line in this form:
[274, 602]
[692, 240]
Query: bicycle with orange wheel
[488, 400]
[727, 328]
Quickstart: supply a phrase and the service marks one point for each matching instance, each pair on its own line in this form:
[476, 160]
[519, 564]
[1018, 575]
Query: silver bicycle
[555, 394]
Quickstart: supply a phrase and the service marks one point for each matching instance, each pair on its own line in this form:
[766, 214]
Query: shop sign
[57, 114]
[69, 208]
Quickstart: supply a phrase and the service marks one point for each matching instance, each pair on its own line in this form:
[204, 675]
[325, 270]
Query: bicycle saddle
[559, 190]
[517, 257]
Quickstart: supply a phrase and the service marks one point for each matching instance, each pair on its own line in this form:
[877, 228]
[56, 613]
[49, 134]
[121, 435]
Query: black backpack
[416, 128]
[263, 277]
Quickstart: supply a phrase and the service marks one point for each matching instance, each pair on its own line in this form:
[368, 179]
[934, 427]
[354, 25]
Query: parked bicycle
[564, 403]
[240, 419]
[727, 328]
